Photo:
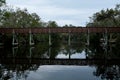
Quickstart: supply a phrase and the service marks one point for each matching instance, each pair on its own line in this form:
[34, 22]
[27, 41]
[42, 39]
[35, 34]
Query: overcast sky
[76, 12]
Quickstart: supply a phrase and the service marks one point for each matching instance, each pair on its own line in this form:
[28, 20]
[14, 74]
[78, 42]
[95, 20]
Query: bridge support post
[69, 38]
[88, 37]
[31, 41]
[50, 40]
[14, 40]
[30, 51]
[50, 43]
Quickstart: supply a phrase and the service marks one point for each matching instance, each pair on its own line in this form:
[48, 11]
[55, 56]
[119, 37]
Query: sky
[75, 12]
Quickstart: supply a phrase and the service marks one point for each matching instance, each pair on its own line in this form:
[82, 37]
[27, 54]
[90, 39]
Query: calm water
[60, 62]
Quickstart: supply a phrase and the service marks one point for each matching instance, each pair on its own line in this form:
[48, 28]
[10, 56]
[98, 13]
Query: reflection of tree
[110, 51]
[95, 52]
[70, 49]
[108, 72]
[41, 50]
[16, 71]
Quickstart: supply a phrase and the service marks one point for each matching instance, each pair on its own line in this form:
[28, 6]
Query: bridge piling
[50, 43]
[14, 40]
[30, 51]
[31, 41]
[88, 37]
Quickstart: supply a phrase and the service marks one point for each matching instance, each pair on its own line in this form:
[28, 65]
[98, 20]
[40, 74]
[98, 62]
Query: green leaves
[108, 17]
[19, 18]
[52, 24]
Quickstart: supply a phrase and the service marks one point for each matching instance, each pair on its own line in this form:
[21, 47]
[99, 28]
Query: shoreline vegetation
[21, 18]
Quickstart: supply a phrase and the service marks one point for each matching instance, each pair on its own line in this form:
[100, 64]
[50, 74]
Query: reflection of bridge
[60, 61]
[48, 30]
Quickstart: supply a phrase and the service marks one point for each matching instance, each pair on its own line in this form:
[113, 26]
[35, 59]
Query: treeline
[21, 18]
[106, 18]
[18, 18]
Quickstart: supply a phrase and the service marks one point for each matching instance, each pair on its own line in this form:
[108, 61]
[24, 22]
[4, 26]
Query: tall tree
[106, 18]
[20, 18]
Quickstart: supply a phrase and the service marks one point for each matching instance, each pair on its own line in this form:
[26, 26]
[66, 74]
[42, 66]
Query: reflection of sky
[59, 72]
[76, 55]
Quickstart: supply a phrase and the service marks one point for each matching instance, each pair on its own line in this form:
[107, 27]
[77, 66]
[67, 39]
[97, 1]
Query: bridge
[39, 61]
[49, 30]
[61, 30]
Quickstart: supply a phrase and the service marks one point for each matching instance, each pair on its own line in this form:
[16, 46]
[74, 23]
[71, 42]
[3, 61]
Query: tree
[17, 18]
[2, 2]
[20, 18]
[107, 18]
[52, 24]
[55, 37]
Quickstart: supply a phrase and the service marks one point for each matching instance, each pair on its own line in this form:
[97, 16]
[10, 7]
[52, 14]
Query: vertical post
[69, 38]
[30, 51]
[14, 40]
[30, 37]
[50, 38]
[30, 54]
[88, 37]
[31, 41]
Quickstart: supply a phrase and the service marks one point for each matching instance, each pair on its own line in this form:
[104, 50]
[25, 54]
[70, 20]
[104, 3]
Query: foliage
[19, 18]
[2, 2]
[106, 18]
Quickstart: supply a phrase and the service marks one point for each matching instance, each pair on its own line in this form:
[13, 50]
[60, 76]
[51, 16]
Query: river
[59, 62]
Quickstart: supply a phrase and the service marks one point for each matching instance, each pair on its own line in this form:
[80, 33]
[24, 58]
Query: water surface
[59, 62]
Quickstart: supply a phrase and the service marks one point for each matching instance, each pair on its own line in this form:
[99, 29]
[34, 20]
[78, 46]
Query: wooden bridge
[61, 30]
[49, 30]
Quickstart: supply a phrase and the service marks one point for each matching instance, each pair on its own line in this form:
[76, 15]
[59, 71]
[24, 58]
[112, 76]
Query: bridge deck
[61, 30]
